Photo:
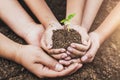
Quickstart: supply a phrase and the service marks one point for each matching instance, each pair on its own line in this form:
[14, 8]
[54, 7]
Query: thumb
[84, 39]
[49, 62]
[48, 40]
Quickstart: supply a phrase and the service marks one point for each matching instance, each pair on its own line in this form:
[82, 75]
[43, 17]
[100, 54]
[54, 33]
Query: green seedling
[67, 20]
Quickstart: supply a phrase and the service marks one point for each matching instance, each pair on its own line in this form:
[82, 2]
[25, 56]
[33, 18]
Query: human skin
[76, 7]
[20, 22]
[10, 11]
[85, 20]
[31, 32]
[108, 26]
[90, 12]
[38, 59]
[87, 12]
[47, 18]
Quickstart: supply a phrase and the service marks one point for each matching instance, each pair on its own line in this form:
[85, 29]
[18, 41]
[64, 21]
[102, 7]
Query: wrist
[97, 37]
[76, 25]
[53, 24]
[31, 29]
[17, 52]
[8, 48]
[101, 37]
[24, 29]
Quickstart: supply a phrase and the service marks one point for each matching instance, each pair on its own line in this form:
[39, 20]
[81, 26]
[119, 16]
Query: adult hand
[39, 63]
[46, 41]
[95, 44]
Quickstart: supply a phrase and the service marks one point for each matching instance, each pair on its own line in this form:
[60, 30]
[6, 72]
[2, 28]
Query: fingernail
[76, 64]
[64, 56]
[85, 42]
[79, 66]
[68, 53]
[63, 50]
[49, 46]
[60, 61]
[69, 48]
[73, 45]
[67, 58]
[84, 58]
[59, 67]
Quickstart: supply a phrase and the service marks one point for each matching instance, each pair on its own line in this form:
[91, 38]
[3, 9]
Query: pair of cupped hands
[43, 61]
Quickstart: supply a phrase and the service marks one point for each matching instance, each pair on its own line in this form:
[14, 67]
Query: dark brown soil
[63, 38]
[106, 65]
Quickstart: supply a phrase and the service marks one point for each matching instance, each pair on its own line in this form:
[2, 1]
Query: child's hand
[39, 63]
[46, 42]
[95, 44]
[90, 54]
[75, 49]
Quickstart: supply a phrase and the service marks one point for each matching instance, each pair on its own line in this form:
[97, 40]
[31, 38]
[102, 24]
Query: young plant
[67, 20]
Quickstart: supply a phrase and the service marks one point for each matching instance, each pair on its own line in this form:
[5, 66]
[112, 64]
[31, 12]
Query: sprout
[67, 20]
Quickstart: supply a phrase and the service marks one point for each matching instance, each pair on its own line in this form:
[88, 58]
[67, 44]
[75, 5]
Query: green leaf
[71, 16]
[67, 20]
[63, 21]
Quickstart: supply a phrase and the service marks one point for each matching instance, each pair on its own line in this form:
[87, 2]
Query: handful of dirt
[62, 38]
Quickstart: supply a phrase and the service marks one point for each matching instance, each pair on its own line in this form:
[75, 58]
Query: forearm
[42, 11]
[75, 6]
[8, 48]
[110, 24]
[15, 16]
[90, 11]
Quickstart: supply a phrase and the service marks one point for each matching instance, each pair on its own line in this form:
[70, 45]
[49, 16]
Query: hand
[33, 34]
[90, 54]
[95, 44]
[39, 63]
[75, 49]
[46, 41]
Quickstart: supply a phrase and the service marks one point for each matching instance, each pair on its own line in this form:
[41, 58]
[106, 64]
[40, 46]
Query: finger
[82, 32]
[79, 47]
[79, 66]
[85, 37]
[70, 54]
[90, 54]
[76, 60]
[68, 70]
[75, 52]
[67, 58]
[57, 51]
[48, 49]
[36, 69]
[84, 40]
[43, 71]
[43, 43]
[63, 62]
[59, 56]
[46, 60]
[49, 34]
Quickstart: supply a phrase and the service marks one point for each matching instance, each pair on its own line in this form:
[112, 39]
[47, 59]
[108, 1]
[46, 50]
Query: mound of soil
[63, 38]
